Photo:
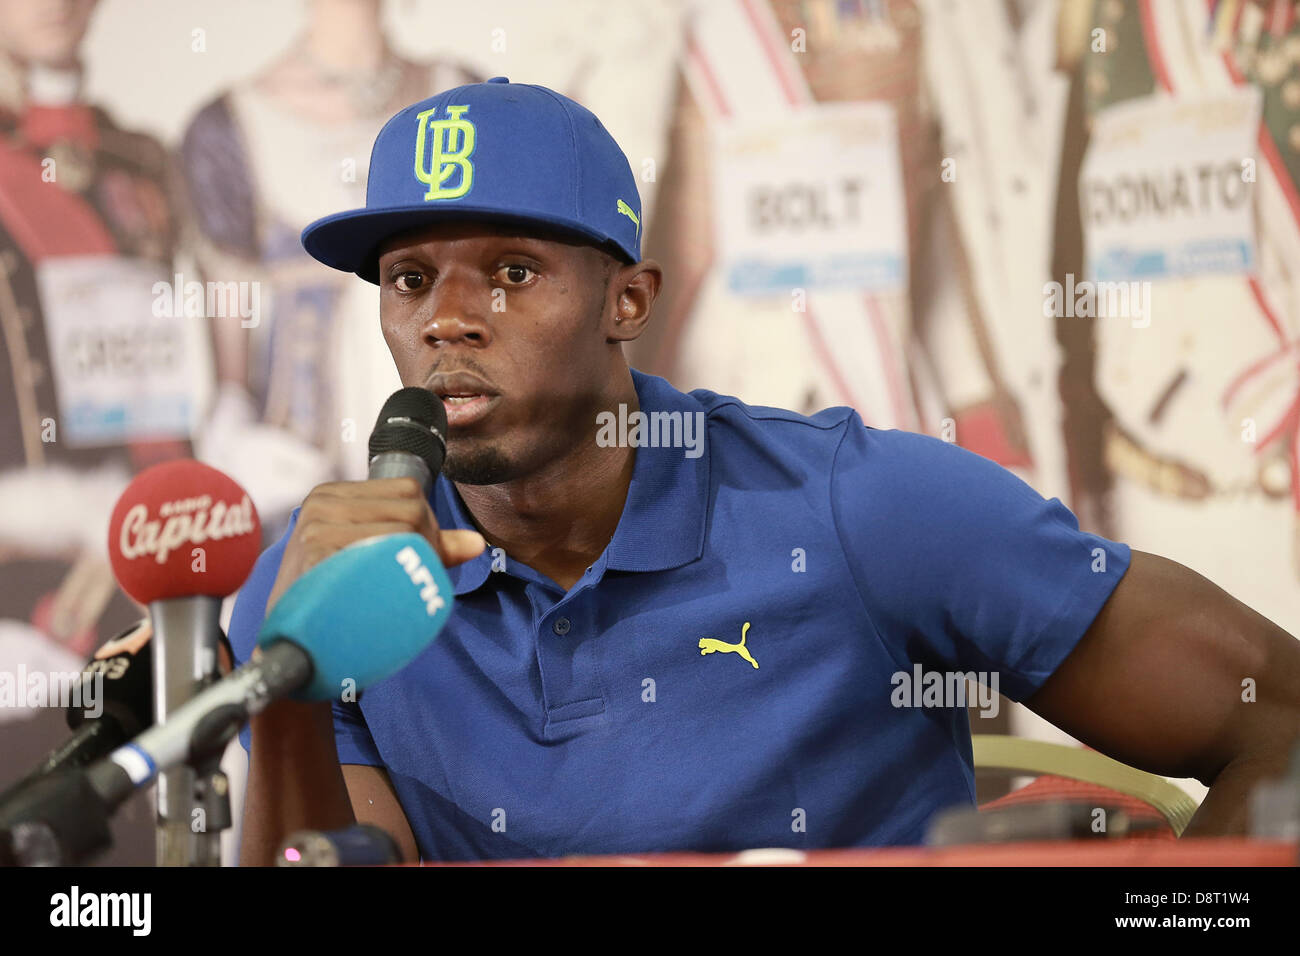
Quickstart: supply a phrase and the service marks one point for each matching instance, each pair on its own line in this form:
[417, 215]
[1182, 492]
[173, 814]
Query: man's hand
[1177, 677]
[341, 513]
[294, 780]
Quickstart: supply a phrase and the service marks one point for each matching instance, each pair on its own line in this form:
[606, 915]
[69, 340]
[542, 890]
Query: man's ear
[629, 299]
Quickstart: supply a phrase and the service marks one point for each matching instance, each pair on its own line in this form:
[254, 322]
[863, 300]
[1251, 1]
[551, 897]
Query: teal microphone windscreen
[363, 613]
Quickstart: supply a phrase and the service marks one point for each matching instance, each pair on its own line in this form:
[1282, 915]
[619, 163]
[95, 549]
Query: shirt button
[561, 626]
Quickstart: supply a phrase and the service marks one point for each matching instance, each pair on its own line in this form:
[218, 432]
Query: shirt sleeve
[957, 560]
[351, 736]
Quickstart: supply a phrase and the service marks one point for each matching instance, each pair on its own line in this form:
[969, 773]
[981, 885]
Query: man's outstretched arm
[1177, 677]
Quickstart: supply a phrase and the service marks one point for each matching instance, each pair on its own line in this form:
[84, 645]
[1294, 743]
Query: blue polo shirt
[834, 565]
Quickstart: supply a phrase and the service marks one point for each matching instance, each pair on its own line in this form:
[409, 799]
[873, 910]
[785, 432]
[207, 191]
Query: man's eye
[515, 274]
[409, 281]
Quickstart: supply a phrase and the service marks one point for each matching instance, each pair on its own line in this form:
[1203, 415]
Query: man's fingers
[458, 546]
[338, 514]
[319, 541]
[337, 509]
[452, 547]
[370, 488]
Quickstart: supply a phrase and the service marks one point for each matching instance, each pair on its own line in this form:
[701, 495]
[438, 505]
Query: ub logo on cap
[445, 160]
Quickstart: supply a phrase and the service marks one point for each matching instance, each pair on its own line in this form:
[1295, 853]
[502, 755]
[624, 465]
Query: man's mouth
[466, 397]
[465, 410]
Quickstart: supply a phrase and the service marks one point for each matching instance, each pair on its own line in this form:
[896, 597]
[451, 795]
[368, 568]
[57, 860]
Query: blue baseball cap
[496, 151]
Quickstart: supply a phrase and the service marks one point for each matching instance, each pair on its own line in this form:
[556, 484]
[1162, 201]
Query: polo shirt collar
[663, 520]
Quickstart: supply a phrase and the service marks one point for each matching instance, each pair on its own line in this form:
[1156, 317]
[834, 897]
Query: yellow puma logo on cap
[626, 210]
[709, 645]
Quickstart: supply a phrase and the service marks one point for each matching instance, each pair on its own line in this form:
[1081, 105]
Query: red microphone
[182, 537]
[183, 529]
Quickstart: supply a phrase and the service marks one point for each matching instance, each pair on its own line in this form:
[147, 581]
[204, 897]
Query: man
[694, 645]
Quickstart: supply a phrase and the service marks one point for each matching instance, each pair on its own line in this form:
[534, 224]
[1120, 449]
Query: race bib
[122, 372]
[812, 199]
[1166, 187]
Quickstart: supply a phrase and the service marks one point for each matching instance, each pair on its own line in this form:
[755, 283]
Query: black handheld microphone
[409, 440]
[125, 708]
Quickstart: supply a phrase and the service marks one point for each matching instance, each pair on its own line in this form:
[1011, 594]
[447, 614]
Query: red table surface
[1219, 851]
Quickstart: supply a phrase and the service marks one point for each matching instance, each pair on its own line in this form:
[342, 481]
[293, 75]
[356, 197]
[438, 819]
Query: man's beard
[478, 465]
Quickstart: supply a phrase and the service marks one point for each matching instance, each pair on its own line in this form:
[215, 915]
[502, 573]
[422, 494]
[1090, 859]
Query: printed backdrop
[1061, 234]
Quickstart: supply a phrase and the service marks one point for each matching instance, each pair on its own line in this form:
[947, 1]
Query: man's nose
[459, 314]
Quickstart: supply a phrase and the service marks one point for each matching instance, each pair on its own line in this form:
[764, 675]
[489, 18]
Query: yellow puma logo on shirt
[709, 645]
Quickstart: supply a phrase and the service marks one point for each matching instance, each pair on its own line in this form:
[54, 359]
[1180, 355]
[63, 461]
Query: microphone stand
[193, 801]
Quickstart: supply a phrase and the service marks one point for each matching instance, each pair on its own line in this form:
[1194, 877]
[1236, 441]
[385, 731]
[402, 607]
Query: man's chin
[477, 466]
